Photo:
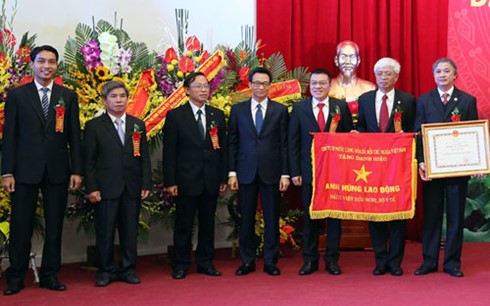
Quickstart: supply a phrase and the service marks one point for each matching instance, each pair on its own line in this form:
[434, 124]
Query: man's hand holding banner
[368, 176]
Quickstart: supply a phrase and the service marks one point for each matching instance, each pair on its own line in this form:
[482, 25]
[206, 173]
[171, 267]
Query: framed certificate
[456, 148]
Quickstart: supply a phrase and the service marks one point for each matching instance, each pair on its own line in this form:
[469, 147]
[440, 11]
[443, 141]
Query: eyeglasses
[257, 84]
[199, 86]
[321, 83]
[385, 73]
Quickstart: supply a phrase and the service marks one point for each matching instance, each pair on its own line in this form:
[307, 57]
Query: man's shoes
[308, 268]
[454, 272]
[396, 271]
[272, 270]
[102, 281]
[379, 271]
[178, 274]
[211, 271]
[245, 269]
[130, 278]
[52, 284]
[11, 290]
[333, 268]
[423, 270]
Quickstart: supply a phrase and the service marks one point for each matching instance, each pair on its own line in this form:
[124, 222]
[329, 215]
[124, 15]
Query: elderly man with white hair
[377, 110]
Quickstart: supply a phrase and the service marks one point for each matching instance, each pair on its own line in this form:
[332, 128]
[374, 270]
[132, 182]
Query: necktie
[444, 98]
[383, 114]
[259, 118]
[45, 101]
[199, 123]
[119, 129]
[321, 117]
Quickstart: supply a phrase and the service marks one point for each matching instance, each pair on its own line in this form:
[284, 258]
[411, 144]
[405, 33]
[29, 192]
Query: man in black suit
[194, 171]
[258, 153]
[117, 178]
[439, 105]
[309, 116]
[377, 110]
[41, 150]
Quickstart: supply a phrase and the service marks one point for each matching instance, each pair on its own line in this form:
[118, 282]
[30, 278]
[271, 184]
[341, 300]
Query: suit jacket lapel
[267, 116]
[54, 100]
[128, 134]
[309, 113]
[249, 115]
[111, 129]
[452, 103]
[372, 108]
[396, 105]
[189, 117]
[35, 101]
[437, 103]
[210, 118]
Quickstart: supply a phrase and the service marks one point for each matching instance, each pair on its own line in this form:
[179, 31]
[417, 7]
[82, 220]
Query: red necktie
[321, 117]
[444, 98]
[383, 114]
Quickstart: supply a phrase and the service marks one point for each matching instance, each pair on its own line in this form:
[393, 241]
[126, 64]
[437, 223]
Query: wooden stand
[355, 235]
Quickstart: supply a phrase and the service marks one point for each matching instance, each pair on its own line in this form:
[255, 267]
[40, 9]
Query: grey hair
[387, 62]
[110, 86]
[445, 60]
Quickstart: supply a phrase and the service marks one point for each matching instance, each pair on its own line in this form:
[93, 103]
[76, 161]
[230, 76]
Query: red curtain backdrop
[306, 32]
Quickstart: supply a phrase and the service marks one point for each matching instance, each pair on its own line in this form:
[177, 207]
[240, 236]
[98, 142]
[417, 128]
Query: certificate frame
[454, 149]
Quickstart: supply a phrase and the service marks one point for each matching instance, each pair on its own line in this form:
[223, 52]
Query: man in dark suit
[41, 150]
[194, 170]
[439, 105]
[117, 178]
[258, 153]
[314, 115]
[377, 110]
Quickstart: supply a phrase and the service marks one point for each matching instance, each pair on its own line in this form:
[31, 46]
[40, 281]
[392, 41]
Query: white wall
[149, 21]
[153, 22]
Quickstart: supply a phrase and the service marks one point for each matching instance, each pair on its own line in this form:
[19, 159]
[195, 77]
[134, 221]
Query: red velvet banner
[364, 176]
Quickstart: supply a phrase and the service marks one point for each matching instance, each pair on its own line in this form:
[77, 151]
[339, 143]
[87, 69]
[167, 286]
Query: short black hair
[259, 70]
[110, 86]
[36, 50]
[322, 71]
[191, 77]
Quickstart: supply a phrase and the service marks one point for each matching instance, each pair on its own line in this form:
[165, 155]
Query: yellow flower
[102, 73]
[189, 53]
[197, 59]
[174, 62]
[99, 87]
[170, 67]
[180, 74]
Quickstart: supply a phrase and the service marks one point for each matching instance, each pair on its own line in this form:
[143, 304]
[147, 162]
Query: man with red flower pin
[446, 103]
[386, 110]
[117, 179]
[194, 172]
[41, 150]
[319, 113]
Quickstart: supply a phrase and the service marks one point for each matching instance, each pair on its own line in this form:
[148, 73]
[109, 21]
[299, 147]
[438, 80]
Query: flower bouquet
[14, 64]
[101, 53]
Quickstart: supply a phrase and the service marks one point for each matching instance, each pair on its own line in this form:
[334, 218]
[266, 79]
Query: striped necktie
[45, 101]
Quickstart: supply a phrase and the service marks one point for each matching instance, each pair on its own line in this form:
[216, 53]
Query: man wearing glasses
[314, 115]
[258, 165]
[194, 167]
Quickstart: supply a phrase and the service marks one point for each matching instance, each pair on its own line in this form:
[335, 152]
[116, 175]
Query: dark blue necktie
[259, 118]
